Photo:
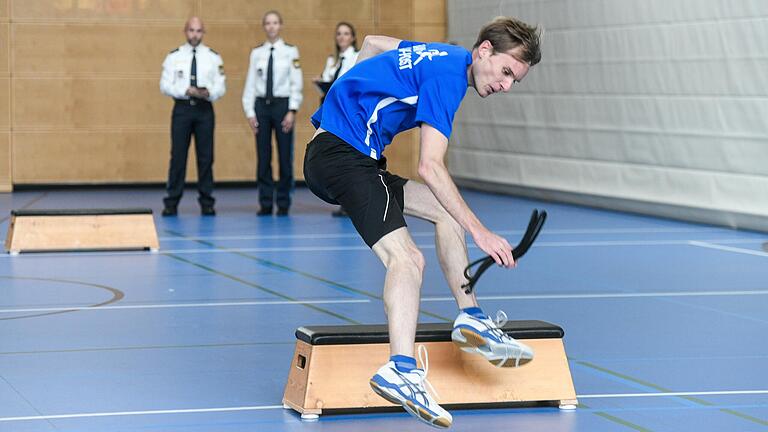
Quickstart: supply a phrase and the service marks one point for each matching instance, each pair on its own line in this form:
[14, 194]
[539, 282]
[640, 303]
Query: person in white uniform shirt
[346, 53]
[338, 64]
[193, 75]
[271, 97]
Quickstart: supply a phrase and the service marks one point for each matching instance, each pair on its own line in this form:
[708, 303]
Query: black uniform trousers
[270, 115]
[190, 118]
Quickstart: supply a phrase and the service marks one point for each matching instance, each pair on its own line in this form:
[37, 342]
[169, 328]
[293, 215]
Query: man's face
[272, 26]
[194, 32]
[496, 72]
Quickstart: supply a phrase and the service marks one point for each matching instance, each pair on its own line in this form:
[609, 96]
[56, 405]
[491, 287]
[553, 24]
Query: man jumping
[395, 86]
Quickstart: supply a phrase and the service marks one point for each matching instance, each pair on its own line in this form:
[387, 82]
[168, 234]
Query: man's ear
[486, 48]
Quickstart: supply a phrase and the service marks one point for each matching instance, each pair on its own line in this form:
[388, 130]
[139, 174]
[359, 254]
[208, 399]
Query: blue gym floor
[666, 323]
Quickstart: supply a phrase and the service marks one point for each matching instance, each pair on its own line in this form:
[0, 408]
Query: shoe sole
[412, 409]
[476, 343]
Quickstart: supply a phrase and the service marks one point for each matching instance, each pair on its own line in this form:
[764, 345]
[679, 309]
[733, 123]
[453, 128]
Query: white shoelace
[501, 319]
[424, 359]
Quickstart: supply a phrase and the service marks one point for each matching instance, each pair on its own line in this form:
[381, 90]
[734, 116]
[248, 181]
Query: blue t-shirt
[395, 91]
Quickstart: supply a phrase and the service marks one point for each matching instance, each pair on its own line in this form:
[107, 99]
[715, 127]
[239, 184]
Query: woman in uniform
[271, 97]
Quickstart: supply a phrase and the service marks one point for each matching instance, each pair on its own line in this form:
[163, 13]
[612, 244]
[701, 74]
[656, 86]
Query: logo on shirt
[405, 55]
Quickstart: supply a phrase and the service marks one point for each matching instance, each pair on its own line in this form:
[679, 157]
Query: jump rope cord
[534, 228]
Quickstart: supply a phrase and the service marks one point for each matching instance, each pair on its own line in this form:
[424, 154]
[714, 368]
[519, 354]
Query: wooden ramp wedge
[81, 230]
[332, 366]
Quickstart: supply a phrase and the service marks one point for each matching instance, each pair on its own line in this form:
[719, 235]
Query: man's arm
[249, 89]
[433, 171]
[375, 45]
[219, 85]
[167, 84]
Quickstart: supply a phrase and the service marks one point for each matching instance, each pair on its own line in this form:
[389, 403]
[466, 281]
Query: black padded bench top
[431, 332]
[81, 212]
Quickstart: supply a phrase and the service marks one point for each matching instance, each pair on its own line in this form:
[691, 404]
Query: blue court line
[711, 309]
[644, 386]
[263, 288]
[311, 249]
[549, 232]
[146, 347]
[631, 381]
[328, 282]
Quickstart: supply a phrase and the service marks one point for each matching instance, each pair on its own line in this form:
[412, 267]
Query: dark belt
[272, 100]
[192, 101]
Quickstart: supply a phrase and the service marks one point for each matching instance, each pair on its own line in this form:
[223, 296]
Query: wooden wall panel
[5, 68]
[5, 99]
[5, 103]
[93, 49]
[102, 10]
[91, 156]
[100, 61]
[5, 161]
[399, 12]
[429, 12]
[71, 103]
[294, 11]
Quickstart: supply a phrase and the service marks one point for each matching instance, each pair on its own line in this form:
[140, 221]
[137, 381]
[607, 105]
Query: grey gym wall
[656, 106]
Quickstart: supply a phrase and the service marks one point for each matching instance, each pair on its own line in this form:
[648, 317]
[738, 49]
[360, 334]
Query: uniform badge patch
[221, 69]
[296, 63]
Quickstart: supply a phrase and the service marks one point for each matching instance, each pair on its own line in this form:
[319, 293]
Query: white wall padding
[656, 101]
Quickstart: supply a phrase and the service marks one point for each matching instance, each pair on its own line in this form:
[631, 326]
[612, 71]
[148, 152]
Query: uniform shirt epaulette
[173, 51]
[290, 45]
[213, 51]
[257, 46]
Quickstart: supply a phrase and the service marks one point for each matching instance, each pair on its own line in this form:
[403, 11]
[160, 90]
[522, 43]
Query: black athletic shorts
[340, 174]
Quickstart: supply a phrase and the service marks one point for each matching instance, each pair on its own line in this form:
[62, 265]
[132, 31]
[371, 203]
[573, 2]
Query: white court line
[609, 295]
[276, 407]
[184, 305]
[699, 393]
[139, 413]
[705, 244]
[364, 247]
[432, 233]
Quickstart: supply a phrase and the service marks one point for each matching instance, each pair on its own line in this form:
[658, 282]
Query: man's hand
[200, 93]
[288, 121]
[254, 124]
[495, 246]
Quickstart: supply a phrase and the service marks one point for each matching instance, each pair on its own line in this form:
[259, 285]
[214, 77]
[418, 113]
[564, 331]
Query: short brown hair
[272, 12]
[507, 33]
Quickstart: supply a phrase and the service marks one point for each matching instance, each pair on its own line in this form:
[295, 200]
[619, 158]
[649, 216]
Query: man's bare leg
[402, 286]
[449, 238]
[405, 267]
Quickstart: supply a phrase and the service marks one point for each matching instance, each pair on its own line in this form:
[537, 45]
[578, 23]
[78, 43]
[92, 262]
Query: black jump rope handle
[534, 228]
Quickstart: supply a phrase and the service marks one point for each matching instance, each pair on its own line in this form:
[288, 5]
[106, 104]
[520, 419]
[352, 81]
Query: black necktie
[193, 74]
[270, 82]
[338, 70]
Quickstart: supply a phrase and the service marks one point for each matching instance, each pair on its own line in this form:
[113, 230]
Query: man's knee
[412, 258]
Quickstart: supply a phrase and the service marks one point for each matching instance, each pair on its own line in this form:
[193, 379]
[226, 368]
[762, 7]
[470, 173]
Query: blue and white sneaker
[407, 389]
[481, 335]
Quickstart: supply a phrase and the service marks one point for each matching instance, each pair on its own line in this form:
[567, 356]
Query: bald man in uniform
[193, 75]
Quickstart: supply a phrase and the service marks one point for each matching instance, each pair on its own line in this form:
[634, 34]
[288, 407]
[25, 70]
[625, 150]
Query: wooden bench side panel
[49, 233]
[339, 375]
